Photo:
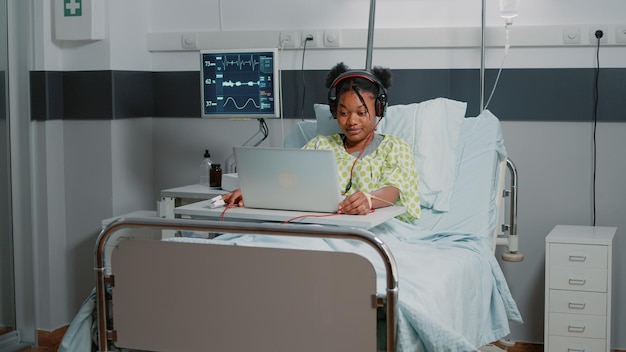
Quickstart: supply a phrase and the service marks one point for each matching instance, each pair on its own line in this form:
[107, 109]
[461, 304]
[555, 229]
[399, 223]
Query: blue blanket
[452, 293]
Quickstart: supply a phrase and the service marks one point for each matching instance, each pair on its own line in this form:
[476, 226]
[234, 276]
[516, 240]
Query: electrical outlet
[620, 34]
[332, 38]
[188, 40]
[315, 42]
[288, 39]
[571, 35]
[592, 34]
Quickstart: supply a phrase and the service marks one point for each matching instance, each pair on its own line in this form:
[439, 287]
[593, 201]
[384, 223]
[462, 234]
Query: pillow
[300, 134]
[326, 123]
[432, 130]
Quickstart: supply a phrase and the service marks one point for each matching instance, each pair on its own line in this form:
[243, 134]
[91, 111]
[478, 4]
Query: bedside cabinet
[578, 288]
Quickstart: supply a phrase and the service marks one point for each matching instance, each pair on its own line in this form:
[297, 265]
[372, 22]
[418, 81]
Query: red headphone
[381, 98]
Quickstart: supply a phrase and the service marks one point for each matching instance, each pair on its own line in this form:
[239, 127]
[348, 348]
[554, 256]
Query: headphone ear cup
[332, 101]
[381, 104]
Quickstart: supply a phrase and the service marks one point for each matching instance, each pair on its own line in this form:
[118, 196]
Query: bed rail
[110, 236]
[511, 241]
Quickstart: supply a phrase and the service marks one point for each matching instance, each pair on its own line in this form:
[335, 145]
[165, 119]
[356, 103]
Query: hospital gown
[390, 164]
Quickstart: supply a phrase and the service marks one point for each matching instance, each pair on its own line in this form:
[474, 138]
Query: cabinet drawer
[565, 278]
[573, 344]
[578, 256]
[577, 302]
[578, 325]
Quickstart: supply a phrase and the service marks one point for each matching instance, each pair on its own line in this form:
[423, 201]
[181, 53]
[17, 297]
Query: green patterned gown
[390, 164]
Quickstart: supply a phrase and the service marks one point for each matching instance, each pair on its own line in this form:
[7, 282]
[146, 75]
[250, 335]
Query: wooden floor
[39, 349]
[519, 347]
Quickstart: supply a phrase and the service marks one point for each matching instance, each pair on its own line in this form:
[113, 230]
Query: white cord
[506, 52]
[280, 89]
[380, 199]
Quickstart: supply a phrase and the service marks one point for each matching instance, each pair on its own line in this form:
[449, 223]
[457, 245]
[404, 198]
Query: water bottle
[205, 169]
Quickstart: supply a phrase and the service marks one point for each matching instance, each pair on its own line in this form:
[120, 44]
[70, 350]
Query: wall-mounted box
[79, 19]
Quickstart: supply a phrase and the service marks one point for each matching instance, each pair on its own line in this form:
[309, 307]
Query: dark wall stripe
[3, 96]
[87, 95]
[522, 94]
[133, 93]
[177, 94]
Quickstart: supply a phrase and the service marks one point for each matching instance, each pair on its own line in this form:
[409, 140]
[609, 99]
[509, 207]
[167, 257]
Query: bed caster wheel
[512, 256]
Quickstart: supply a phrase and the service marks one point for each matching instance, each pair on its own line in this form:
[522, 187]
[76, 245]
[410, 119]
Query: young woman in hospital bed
[377, 170]
[453, 295]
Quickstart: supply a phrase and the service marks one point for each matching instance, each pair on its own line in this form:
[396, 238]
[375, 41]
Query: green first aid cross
[72, 8]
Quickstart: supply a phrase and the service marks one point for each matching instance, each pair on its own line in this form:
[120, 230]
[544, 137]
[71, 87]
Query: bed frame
[342, 290]
[338, 298]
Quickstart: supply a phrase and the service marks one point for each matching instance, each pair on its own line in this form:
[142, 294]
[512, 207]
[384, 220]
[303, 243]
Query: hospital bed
[435, 286]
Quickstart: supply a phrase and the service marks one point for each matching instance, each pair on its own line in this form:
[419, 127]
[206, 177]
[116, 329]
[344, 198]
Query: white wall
[554, 159]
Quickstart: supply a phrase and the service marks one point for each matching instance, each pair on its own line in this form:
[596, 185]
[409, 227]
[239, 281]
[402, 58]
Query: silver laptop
[288, 179]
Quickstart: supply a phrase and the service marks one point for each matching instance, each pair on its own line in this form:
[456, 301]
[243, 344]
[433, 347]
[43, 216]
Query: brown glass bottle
[216, 175]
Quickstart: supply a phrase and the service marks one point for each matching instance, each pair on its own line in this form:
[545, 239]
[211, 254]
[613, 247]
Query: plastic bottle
[216, 175]
[508, 10]
[205, 169]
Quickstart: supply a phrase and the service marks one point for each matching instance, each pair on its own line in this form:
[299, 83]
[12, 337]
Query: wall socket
[620, 34]
[592, 34]
[289, 39]
[332, 38]
[311, 43]
[571, 35]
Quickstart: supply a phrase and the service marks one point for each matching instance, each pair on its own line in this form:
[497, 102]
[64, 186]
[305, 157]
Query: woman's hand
[233, 198]
[361, 203]
[358, 203]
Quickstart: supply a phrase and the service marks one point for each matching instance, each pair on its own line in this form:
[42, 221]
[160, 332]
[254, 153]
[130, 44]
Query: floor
[520, 347]
[40, 349]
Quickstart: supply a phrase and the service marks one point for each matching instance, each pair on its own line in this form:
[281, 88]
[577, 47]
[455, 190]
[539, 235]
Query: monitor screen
[240, 83]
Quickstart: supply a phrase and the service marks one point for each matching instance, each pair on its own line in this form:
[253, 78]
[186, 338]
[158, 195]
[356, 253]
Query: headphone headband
[381, 98]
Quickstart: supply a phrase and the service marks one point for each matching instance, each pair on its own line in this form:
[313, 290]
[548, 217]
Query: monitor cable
[280, 89]
[306, 40]
[598, 34]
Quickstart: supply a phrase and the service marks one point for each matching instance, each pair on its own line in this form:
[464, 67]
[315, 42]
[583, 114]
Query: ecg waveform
[230, 83]
[240, 63]
[224, 62]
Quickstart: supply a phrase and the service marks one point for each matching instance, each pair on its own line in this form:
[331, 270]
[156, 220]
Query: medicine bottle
[205, 169]
[216, 175]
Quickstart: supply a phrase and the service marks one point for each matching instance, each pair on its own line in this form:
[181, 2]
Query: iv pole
[370, 36]
[370, 45]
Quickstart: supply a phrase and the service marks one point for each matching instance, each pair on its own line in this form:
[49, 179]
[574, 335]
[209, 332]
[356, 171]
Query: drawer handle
[576, 350]
[577, 258]
[579, 329]
[579, 282]
[573, 305]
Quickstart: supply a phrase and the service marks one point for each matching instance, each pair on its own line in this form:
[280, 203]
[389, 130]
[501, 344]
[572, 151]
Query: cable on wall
[306, 40]
[599, 34]
[280, 89]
